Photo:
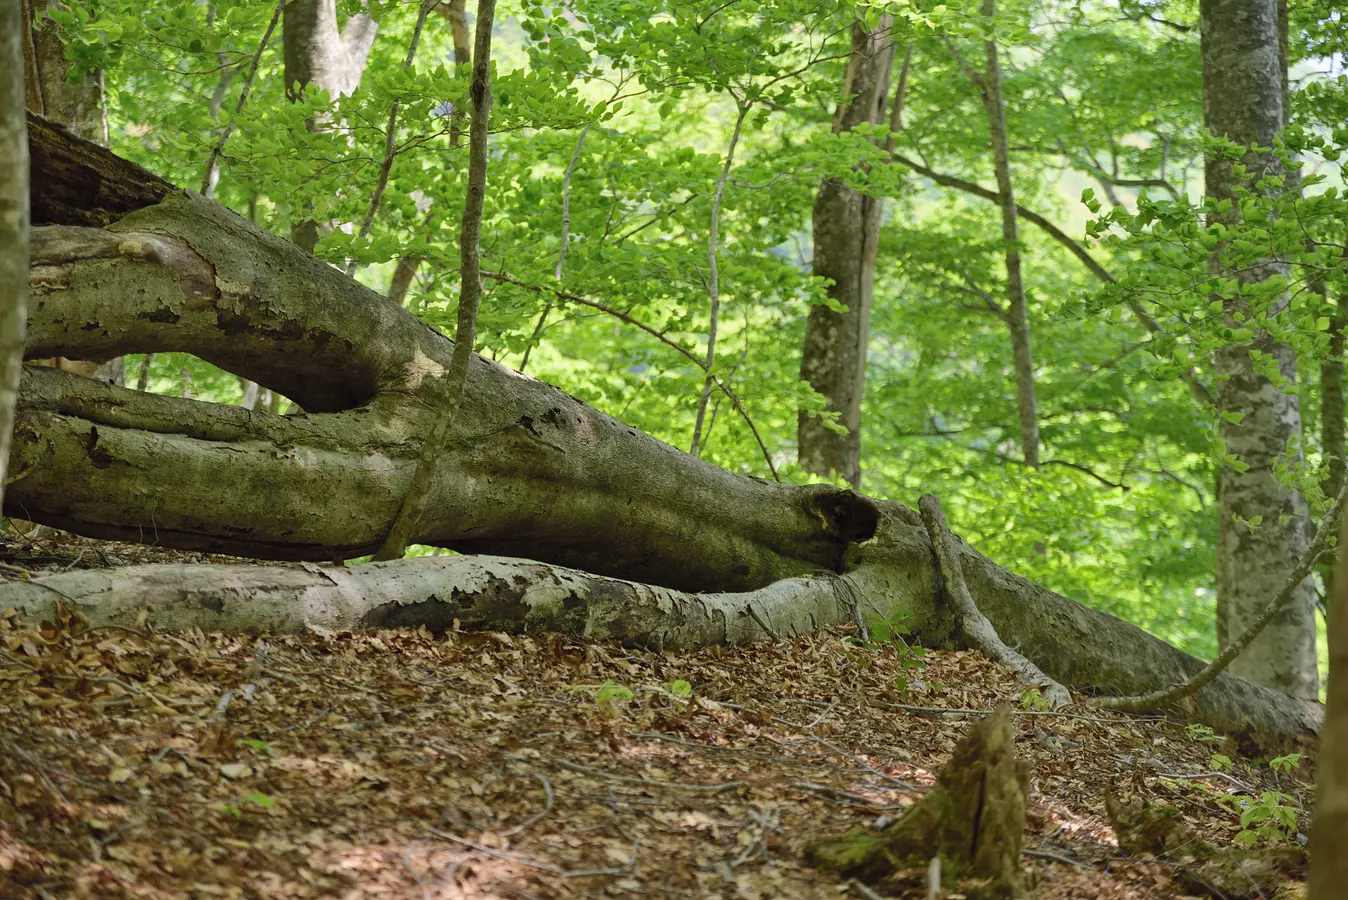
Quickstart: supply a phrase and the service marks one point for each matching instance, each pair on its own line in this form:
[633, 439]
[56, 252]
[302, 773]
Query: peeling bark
[845, 220]
[1243, 101]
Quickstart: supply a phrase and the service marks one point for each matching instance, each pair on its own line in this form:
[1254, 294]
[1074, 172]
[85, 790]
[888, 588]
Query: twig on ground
[536, 817]
[630, 779]
[974, 625]
[1057, 857]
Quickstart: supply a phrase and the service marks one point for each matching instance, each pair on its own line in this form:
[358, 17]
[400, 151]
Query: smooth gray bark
[328, 58]
[13, 218]
[833, 360]
[1243, 101]
[318, 53]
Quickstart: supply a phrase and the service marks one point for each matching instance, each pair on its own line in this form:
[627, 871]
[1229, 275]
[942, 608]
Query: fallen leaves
[140, 764]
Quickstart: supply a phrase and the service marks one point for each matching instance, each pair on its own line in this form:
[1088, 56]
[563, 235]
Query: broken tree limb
[975, 627]
[480, 592]
[1302, 570]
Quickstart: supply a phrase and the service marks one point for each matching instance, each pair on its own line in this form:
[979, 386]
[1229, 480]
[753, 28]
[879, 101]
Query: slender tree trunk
[454, 13]
[320, 55]
[1017, 318]
[833, 360]
[414, 501]
[1329, 832]
[13, 218]
[1243, 101]
[1331, 403]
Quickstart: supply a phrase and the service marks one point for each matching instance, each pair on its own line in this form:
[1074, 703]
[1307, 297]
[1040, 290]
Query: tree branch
[637, 323]
[714, 278]
[1305, 565]
[210, 176]
[470, 295]
[1199, 390]
[390, 137]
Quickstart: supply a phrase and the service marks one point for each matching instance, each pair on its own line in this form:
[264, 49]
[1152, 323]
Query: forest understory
[143, 764]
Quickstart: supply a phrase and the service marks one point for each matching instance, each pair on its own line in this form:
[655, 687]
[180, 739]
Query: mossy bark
[973, 819]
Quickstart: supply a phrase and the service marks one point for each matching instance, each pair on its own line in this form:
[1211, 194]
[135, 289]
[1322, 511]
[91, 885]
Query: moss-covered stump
[973, 819]
[1201, 867]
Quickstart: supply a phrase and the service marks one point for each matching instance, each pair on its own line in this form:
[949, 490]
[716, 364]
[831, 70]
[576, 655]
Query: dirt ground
[140, 764]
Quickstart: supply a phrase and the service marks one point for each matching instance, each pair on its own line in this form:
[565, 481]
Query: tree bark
[413, 506]
[528, 471]
[330, 59]
[1243, 101]
[318, 53]
[13, 219]
[1017, 317]
[1329, 832]
[833, 360]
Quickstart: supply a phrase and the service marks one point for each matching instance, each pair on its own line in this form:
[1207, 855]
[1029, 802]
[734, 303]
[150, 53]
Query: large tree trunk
[846, 226]
[1243, 101]
[528, 471]
[1329, 834]
[13, 219]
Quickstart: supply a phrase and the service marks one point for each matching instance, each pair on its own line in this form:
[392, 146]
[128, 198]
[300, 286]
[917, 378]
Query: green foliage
[1202, 734]
[1272, 818]
[236, 810]
[1032, 700]
[680, 689]
[258, 746]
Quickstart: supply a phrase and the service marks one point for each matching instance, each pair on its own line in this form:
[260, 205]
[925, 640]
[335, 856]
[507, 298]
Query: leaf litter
[141, 764]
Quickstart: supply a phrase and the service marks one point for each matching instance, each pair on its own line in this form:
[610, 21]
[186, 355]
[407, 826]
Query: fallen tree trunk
[126, 264]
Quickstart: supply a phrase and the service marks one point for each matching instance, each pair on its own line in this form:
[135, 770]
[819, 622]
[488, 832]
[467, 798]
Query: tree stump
[973, 819]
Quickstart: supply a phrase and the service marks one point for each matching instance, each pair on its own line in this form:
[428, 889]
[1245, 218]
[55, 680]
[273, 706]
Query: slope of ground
[403, 764]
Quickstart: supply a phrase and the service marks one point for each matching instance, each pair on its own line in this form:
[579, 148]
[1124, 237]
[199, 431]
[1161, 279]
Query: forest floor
[135, 763]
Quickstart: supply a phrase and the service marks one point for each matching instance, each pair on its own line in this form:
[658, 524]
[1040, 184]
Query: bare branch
[211, 175]
[1303, 568]
[470, 294]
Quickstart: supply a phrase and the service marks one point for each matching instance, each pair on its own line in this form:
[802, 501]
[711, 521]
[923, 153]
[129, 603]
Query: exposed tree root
[974, 626]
